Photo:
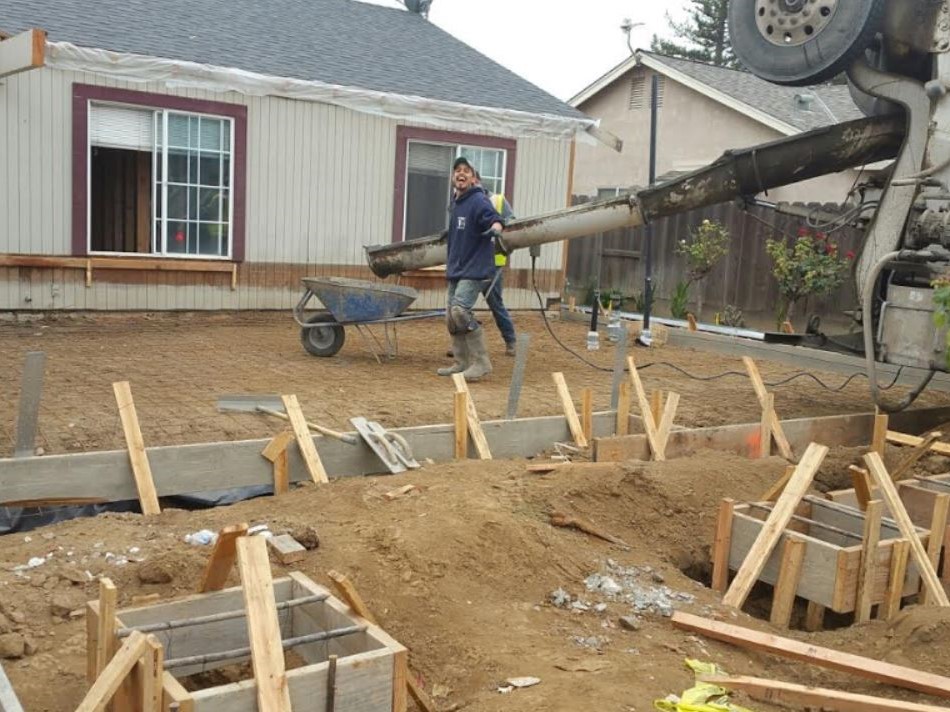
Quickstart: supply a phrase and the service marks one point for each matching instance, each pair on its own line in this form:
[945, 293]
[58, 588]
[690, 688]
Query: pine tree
[704, 35]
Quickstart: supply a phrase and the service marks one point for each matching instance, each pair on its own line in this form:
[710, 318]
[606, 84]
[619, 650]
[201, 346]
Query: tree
[704, 35]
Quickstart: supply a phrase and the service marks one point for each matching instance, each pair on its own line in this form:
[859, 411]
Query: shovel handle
[343, 437]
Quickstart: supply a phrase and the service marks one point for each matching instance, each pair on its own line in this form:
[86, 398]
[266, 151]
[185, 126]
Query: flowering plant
[707, 244]
[812, 265]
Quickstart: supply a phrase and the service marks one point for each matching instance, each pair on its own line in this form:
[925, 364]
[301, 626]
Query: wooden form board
[141, 470]
[823, 657]
[570, 412]
[845, 430]
[869, 546]
[181, 469]
[22, 52]
[783, 600]
[308, 450]
[903, 438]
[222, 558]
[832, 562]
[475, 430]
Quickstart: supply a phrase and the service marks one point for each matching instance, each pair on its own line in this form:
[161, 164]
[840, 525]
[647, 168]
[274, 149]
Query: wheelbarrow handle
[343, 437]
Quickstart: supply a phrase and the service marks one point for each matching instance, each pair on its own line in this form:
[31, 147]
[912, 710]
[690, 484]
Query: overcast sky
[560, 45]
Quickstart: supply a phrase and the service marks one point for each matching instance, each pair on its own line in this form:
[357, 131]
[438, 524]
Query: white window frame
[458, 152]
[164, 253]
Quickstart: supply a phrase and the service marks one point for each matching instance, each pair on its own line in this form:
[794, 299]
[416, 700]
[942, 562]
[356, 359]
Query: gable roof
[773, 105]
[340, 42]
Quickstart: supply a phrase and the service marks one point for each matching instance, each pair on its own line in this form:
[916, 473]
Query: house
[703, 111]
[208, 154]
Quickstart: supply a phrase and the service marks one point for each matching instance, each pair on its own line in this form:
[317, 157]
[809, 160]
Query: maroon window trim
[406, 133]
[84, 93]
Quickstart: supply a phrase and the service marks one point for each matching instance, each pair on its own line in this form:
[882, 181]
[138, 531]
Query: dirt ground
[462, 571]
[178, 365]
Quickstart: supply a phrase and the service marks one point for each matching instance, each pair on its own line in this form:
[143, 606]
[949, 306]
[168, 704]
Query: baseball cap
[462, 161]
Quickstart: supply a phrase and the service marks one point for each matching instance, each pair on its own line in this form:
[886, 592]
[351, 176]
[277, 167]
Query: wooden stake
[308, 450]
[772, 529]
[587, 413]
[879, 436]
[938, 530]
[461, 425]
[691, 321]
[105, 635]
[263, 626]
[915, 455]
[567, 405]
[765, 426]
[623, 409]
[900, 551]
[761, 393]
[222, 558]
[721, 545]
[814, 617]
[115, 673]
[775, 490]
[352, 598]
[908, 531]
[147, 677]
[148, 497]
[783, 598]
[869, 542]
[787, 327]
[646, 413]
[656, 404]
[823, 657]
[904, 439]
[276, 453]
[474, 424]
[862, 485]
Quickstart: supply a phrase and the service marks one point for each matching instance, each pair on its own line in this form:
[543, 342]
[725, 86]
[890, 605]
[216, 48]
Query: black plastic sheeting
[15, 520]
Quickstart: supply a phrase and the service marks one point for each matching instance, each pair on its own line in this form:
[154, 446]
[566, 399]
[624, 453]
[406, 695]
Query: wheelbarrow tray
[359, 301]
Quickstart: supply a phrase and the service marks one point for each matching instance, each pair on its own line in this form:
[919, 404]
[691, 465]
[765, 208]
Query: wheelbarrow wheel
[323, 340]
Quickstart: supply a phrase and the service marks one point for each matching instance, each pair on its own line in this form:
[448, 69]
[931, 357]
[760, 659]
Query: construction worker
[475, 227]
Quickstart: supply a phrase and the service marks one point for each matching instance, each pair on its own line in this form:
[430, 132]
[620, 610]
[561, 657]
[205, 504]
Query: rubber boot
[460, 350]
[479, 363]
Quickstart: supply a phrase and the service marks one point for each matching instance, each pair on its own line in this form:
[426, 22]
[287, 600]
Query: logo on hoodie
[461, 223]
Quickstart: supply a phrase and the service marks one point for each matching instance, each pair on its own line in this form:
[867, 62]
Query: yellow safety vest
[498, 202]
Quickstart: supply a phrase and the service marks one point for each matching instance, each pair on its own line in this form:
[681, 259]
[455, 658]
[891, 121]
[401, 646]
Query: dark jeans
[498, 309]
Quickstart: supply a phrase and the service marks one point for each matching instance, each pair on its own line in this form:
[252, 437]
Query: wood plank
[646, 413]
[914, 456]
[287, 549]
[656, 405]
[862, 485]
[623, 409]
[788, 694]
[905, 439]
[175, 694]
[460, 413]
[105, 630]
[116, 263]
[666, 421]
[899, 513]
[775, 490]
[867, 668]
[222, 558]
[114, 674]
[783, 598]
[814, 617]
[9, 702]
[938, 530]
[474, 423]
[721, 545]
[900, 552]
[587, 413]
[141, 470]
[774, 526]
[263, 627]
[570, 413]
[879, 435]
[276, 453]
[758, 385]
[765, 426]
[22, 52]
[308, 450]
[869, 542]
[28, 414]
[277, 444]
[147, 677]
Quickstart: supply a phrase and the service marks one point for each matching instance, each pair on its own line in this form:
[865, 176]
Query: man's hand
[495, 233]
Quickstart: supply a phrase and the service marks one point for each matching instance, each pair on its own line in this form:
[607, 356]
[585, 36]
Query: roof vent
[420, 7]
[804, 100]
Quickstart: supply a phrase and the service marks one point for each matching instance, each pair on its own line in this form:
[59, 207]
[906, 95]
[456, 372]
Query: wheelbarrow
[357, 303]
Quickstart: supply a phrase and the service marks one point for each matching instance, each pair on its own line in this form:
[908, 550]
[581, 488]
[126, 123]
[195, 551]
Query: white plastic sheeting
[436, 113]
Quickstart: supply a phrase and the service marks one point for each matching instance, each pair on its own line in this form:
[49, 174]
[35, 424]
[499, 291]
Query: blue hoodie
[471, 253]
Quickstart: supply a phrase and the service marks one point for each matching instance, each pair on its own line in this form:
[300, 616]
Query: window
[157, 175]
[424, 175]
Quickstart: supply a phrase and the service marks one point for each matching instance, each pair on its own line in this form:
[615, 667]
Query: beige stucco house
[703, 110]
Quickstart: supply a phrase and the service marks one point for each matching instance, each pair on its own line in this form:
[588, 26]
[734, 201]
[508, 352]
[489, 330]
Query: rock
[630, 623]
[66, 601]
[74, 574]
[307, 537]
[12, 646]
[560, 598]
[17, 617]
[50, 583]
[156, 571]
[658, 577]
[30, 646]
[37, 580]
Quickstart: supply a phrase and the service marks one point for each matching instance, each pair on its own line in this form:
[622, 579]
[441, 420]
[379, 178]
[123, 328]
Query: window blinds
[121, 127]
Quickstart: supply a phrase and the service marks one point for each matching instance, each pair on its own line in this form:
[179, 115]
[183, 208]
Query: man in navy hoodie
[473, 226]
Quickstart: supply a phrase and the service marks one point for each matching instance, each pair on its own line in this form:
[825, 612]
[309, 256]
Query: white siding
[319, 187]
